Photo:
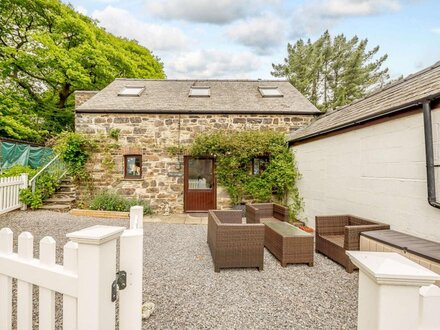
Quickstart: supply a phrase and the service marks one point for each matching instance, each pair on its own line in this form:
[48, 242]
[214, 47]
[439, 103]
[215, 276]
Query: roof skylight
[200, 91]
[270, 91]
[131, 91]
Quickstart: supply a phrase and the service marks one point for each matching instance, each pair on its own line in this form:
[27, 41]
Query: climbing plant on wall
[236, 154]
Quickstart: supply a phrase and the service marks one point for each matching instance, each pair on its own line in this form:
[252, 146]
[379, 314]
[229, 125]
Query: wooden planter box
[100, 214]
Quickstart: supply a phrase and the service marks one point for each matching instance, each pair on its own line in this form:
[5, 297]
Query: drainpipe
[429, 148]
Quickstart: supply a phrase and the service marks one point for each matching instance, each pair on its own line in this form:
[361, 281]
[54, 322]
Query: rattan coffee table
[289, 244]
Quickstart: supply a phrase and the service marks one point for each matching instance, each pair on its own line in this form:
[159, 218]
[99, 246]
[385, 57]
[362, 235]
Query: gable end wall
[151, 135]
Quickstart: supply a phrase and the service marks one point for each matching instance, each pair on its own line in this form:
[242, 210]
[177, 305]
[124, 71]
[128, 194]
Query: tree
[48, 50]
[332, 72]
[16, 121]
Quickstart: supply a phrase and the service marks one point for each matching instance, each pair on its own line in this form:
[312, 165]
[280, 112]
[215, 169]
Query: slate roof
[399, 96]
[171, 96]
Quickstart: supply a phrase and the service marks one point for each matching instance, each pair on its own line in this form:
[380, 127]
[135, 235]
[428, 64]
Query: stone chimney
[83, 96]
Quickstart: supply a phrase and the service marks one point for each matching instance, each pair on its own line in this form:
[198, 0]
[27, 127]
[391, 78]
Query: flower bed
[100, 214]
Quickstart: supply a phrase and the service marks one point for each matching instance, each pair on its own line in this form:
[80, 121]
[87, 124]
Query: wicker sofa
[338, 233]
[232, 243]
[255, 213]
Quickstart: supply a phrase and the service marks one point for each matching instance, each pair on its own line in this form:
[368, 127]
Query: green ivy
[114, 133]
[234, 152]
[74, 149]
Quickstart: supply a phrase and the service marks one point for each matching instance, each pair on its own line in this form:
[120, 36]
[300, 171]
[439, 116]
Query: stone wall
[83, 96]
[150, 135]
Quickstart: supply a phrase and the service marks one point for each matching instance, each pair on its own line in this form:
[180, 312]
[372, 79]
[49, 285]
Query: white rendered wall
[376, 172]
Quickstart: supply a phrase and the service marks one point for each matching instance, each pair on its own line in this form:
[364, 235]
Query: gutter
[429, 150]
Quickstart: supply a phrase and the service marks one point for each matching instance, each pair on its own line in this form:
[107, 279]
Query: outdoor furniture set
[236, 244]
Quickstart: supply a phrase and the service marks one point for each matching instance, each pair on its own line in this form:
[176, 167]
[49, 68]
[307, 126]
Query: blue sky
[242, 38]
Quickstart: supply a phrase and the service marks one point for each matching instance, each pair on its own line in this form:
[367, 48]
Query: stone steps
[63, 199]
[66, 188]
[60, 199]
[66, 193]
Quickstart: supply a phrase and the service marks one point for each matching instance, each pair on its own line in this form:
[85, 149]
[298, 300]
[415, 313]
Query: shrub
[34, 201]
[44, 188]
[17, 170]
[111, 201]
[74, 149]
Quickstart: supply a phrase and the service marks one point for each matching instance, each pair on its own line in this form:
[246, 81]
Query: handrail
[43, 169]
[33, 180]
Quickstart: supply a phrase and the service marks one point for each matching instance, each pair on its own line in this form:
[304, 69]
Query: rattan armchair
[232, 243]
[338, 233]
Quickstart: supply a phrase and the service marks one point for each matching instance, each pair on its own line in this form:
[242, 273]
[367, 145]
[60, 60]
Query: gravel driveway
[179, 278]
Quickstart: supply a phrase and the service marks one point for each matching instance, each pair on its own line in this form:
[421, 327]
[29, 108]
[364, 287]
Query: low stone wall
[150, 135]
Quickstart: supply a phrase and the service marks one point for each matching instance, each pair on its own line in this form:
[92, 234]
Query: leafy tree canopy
[47, 51]
[332, 72]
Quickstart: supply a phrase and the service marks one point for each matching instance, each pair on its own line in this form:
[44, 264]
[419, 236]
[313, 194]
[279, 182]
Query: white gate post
[96, 273]
[136, 217]
[131, 261]
[429, 316]
[24, 185]
[389, 290]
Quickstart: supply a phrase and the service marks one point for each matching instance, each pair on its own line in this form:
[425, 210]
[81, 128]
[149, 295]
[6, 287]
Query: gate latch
[120, 283]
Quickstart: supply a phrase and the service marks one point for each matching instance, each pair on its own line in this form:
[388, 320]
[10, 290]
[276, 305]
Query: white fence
[10, 192]
[87, 279]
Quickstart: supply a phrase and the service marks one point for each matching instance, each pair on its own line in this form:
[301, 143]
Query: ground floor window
[133, 166]
[259, 165]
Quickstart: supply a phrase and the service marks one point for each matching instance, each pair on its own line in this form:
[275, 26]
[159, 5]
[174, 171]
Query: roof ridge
[215, 80]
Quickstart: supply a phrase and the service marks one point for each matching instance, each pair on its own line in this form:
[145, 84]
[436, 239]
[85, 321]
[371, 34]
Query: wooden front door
[200, 192]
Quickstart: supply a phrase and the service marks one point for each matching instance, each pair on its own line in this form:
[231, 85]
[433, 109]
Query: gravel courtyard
[179, 278]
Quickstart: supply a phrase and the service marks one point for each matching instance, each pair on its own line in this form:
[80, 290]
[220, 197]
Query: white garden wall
[376, 172]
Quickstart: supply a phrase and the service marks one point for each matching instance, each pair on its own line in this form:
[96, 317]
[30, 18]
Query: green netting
[23, 154]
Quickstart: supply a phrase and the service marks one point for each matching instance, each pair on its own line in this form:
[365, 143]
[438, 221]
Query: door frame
[185, 182]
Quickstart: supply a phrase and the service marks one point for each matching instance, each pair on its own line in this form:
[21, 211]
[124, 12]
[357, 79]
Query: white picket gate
[10, 192]
[85, 279]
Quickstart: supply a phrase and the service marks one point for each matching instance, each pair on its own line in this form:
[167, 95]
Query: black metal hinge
[120, 283]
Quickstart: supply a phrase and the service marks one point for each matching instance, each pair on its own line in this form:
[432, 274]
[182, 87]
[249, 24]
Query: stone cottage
[150, 116]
